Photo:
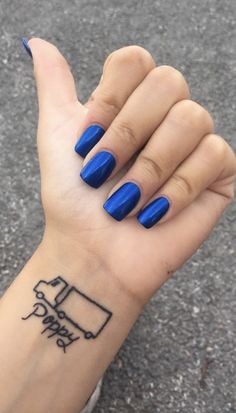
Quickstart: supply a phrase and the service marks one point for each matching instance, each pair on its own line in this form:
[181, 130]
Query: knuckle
[205, 118]
[230, 194]
[106, 101]
[151, 167]
[215, 146]
[182, 184]
[125, 134]
[190, 112]
[138, 55]
[172, 79]
[132, 55]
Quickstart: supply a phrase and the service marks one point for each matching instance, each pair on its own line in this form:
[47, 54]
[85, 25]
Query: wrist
[83, 266]
[75, 359]
[88, 276]
[93, 282]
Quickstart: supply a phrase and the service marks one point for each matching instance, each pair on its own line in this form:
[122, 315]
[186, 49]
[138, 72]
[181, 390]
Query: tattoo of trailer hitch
[67, 314]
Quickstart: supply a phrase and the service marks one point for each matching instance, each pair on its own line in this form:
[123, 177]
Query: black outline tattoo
[63, 293]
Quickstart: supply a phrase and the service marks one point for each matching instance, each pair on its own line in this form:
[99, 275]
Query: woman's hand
[75, 301]
[158, 143]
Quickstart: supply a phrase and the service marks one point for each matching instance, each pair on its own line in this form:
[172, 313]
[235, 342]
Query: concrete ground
[181, 355]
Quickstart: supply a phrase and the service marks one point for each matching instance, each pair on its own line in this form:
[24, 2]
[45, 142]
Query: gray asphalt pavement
[181, 354]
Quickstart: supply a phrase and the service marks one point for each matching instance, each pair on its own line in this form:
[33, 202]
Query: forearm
[47, 364]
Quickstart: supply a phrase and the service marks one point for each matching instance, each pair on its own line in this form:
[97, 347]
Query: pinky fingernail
[26, 46]
[153, 212]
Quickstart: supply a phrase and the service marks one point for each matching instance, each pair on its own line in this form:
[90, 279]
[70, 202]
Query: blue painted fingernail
[88, 139]
[153, 212]
[26, 46]
[98, 169]
[121, 202]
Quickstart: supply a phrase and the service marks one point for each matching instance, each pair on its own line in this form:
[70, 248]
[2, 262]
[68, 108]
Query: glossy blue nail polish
[88, 139]
[98, 169]
[26, 46]
[153, 212]
[121, 202]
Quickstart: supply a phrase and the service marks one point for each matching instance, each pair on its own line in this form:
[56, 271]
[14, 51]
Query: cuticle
[168, 199]
[159, 196]
[100, 150]
[139, 186]
[93, 123]
[88, 126]
[167, 212]
[111, 152]
[123, 183]
[98, 124]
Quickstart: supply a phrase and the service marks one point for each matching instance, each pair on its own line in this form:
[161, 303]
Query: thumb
[54, 80]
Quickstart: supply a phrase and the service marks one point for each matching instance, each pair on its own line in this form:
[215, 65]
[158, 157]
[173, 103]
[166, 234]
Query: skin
[164, 142]
[138, 104]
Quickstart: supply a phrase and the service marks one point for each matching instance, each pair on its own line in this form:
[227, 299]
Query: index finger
[123, 71]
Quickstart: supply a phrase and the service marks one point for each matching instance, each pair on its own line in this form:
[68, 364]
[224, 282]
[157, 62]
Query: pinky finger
[211, 166]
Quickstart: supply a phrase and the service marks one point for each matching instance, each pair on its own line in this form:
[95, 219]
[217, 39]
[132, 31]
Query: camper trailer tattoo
[72, 311]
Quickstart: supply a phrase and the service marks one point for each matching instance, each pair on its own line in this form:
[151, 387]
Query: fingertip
[152, 213]
[54, 80]
[123, 201]
[45, 52]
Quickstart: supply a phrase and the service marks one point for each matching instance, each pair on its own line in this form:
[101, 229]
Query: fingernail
[153, 212]
[88, 139]
[26, 46]
[121, 202]
[98, 169]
